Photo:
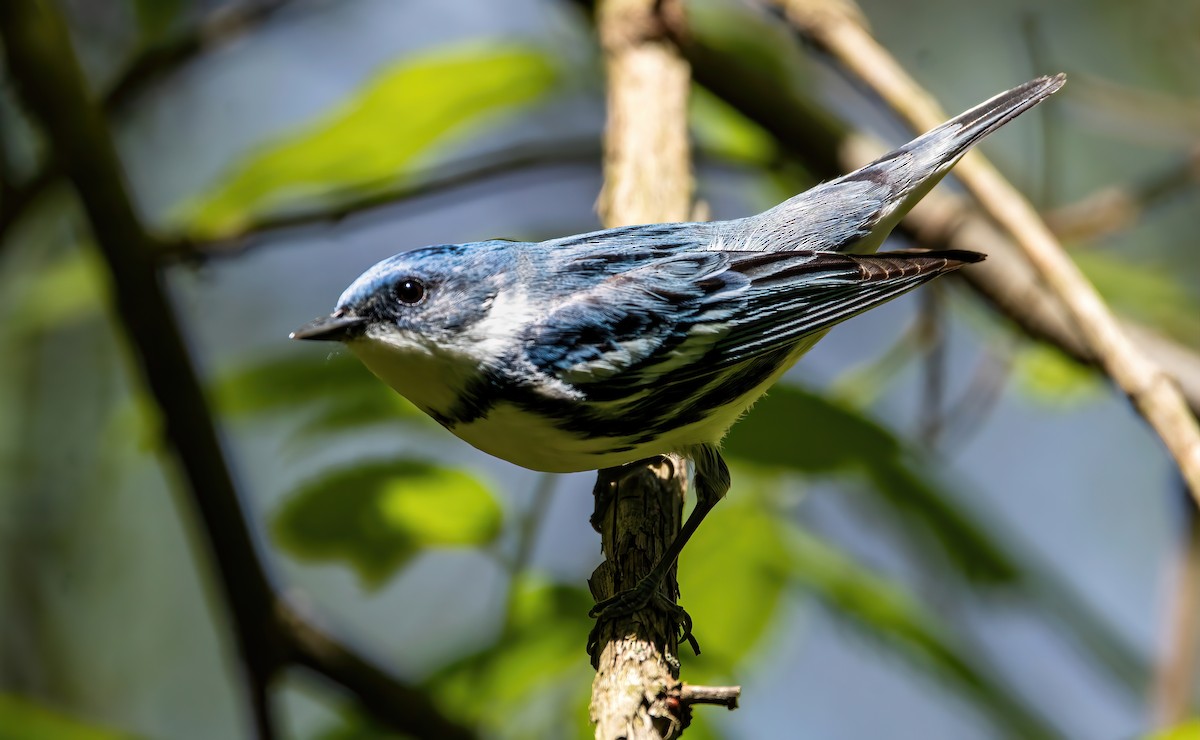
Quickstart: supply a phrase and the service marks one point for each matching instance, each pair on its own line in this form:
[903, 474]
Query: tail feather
[855, 212]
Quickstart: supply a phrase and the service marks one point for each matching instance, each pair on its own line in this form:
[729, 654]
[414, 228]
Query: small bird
[610, 348]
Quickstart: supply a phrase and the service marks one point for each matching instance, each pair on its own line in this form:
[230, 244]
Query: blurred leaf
[732, 577]
[68, 290]
[354, 725]
[1189, 730]
[368, 142]
[1144, 291]
[535, 680]
[375, 516]
[1049, 376]
[886, 611]
[793, 429]
[335, 390]
[21, 719]
[721, 130]
[155, 17]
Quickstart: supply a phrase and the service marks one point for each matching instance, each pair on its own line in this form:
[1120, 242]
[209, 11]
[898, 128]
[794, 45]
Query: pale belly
[533, 442]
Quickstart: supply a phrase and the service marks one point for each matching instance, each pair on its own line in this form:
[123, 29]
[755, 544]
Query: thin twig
[444, 177]
[42, 63]
[1116, 208]
[725, 696]
[159, 59]
[838, 28]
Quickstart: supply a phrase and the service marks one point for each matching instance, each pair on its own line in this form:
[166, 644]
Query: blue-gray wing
[668, 316]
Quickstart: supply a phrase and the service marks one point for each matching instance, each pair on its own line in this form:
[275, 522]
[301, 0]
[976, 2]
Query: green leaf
[71, 289]
[1189, 730]
[792, 429]
[353, 724]
[731, 580]
[21, 719]
[887, 612]
[155, 17]
[534, 681]
[1144, 291]
[367, 143]
[1046, 374]
[334, 391]
[720, 129]
[376, 516]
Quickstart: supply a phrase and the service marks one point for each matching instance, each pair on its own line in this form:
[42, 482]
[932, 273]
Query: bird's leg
[712, 482]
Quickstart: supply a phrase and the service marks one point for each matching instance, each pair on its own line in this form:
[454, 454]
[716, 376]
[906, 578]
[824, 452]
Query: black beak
[333, 328]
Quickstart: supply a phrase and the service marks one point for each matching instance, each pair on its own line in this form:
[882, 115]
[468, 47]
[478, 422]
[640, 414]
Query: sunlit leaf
[720, 129]
[369, 141]
[21, 719]
[534, 681]
[1046, 374]
[792, 429]
[68, 290]
[375, 516]
[1189, 730]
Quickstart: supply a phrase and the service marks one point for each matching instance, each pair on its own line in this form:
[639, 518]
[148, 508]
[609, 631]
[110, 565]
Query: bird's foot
[622, 604]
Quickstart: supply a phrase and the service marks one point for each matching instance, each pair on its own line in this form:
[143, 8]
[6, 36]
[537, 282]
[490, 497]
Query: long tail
[855, 212]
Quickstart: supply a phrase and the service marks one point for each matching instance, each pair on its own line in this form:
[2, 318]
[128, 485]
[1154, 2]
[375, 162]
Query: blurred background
[938, 528]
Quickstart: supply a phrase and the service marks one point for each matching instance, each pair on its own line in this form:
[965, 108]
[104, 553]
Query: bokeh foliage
[750, 575]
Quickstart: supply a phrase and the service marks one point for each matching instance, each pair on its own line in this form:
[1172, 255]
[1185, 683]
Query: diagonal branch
[828, 148]
[838, 28]
[43, 65]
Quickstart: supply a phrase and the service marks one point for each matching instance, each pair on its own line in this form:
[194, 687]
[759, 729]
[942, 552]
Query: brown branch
[647, 179]
[1175, 675]
[43, 65]
[837, 27]
[726, 696]
[636, 657]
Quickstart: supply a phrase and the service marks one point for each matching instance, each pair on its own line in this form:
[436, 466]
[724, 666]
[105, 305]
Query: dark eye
[410, 291]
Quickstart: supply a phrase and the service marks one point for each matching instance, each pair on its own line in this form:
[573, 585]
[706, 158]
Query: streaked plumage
[601, 349]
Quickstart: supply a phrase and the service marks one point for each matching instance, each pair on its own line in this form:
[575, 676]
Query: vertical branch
[647, 179]
[647, 162]
[1175, 673]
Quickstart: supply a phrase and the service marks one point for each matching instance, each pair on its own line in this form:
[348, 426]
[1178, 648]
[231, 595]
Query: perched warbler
[604, 349]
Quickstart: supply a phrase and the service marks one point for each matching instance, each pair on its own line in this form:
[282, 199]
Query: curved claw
[635, 599]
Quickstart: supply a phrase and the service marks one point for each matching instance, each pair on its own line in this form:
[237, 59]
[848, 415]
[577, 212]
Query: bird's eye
[410, 291]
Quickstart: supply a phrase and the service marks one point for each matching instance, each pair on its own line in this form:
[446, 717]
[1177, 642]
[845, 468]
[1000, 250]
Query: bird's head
[418, 320]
